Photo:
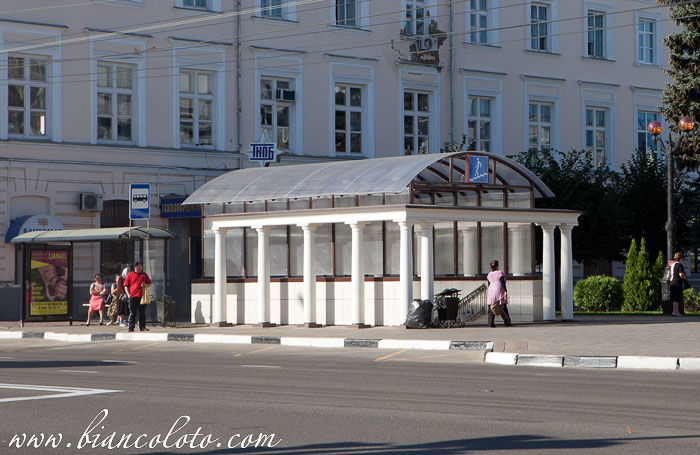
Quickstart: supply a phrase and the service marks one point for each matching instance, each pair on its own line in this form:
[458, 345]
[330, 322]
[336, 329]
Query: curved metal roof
[95, 235]
[346, 177]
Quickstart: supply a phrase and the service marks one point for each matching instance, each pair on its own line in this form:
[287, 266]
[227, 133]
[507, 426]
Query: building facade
[98, 94]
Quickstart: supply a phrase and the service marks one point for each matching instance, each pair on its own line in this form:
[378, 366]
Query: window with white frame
[115, 96]
[479, 123]
[26, 96]
[597, 123]
[202, 4]
[271, 8]
[416, 122]
[596, 34]
[275, 111]
[644, 141]
[416, 23]
[196, 108]
[646, 36]
[539, 126]
[346, 13]
[478, 21]
[348, 119]
[539, 27]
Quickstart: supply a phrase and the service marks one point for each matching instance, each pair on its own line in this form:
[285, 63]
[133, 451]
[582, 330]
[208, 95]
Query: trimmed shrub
[690, 301]
[642, 289]
[598, 293]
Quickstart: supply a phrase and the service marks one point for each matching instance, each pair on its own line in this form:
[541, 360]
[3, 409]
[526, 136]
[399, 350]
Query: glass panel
[186, 108]
[519, 249]
[205, 109]
[355, 97]
[600, 139]
[234, 252]
[205, 134]
[266, 89]
[15, 69]
[532, 130]
[589, 117]
[519, 198]
[466, 249]
[104, 76]
[533, 112]
[356, 121]
[408, 101]
[544, 135]
[589, 138]
[408, 145]
[408, 124]
[340, 120]
[343, 249]
[282, 85]
[37, 70]
[422, 145]
[356, 143]
[37, 97]
[485, 130]
[186, 133]
[423, 126]
[265, 115]
[493, 198]
[444, 248]
[372, 239]
[278, 251]
[340, 95]
[296, 251]
[323, 249]
[423, 102]
[491, 245]
[123, 77]
[392, 251]
[251, 257]
[600, 118]
[124, 129]
[124, 104]
[15, 95]
[104, 128]
[545, 113]
[283, 116]
[15, 122]
[186, 83]
[267, 133]
[283, 138]
[104, 104]
[205, 83]
[38, 123]
[485, 107]
[340, 143]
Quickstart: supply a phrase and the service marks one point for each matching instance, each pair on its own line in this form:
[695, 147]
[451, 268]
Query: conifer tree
[682, 97]
[629, 282]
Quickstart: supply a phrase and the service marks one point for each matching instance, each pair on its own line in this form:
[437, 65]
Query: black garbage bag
[419, 312]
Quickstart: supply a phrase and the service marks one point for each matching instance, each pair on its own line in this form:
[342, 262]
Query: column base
[309, 325]
[568, 320]
[360, 326]
[221, 324]
[261, 325]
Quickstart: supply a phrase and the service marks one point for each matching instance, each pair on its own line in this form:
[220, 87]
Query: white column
[405, 269]
[548, 273]
[309, 272]
[218, 313]
[518, 246]
[263, 273]
[358, 272]
[427, 287]
[469, 251]
[567, 273]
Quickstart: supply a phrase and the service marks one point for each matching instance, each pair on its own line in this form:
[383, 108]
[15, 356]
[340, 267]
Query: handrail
[473, 304]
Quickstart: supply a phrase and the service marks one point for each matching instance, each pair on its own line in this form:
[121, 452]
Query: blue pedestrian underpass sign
[478, 169]
[139, 205]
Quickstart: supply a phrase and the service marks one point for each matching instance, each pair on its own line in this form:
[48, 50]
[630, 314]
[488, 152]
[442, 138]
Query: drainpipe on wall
[239, 121]
[452, 77]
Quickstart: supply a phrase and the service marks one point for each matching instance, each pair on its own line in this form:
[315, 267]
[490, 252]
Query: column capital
[262, 229]
[357, 224]
[566, 228]
[404, 224]
[308, 227]
[219, 229]
[547, 226]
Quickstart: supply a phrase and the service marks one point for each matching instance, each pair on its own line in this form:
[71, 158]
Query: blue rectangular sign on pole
[139, 204]
[478, 169]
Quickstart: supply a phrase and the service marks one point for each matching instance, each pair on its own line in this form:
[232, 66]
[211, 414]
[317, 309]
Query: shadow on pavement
[457, 446]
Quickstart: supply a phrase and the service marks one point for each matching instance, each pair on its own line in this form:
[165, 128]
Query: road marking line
[238, 355]
[259, 366]
[4, 357]
[261, 350]
[79, 371]
[427, 356]
[146, 346]
[62, 392]
[389, 355]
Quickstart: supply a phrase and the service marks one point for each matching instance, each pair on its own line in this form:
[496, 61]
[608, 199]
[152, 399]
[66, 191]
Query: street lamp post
[655, 128]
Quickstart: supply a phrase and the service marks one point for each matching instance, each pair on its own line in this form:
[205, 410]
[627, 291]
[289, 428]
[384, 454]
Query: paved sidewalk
[586, 336]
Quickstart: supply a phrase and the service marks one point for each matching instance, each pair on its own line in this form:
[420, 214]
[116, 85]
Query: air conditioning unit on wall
[425, 44]
[285, 95]
[90, 202]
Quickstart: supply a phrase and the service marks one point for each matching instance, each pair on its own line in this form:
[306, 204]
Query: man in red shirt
[134, 284]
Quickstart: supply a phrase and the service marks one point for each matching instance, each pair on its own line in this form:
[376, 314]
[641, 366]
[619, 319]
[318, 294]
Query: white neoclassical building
[351, 243]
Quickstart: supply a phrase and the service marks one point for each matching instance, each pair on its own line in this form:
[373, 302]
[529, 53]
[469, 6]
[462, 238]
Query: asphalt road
[189, 398]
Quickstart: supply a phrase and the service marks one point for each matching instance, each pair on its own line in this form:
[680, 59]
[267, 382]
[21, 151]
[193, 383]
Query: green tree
[641, 286]
[682, 97]
[578, 185]
[629, 282]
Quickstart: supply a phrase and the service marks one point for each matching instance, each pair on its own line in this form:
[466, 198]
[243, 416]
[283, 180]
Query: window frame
[416, 115]
[479, 118]
[114, 91]
[606, 30]
[477, 33]
[287, 10]
[196, 96]
[539, 123]
[27, 85]
[552, 42]
[211, 5]
[275, 105]
[486, 87]
[657, 21]
[593, 128]
[348, 109]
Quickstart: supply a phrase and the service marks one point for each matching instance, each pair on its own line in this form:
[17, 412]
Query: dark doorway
[116, 254]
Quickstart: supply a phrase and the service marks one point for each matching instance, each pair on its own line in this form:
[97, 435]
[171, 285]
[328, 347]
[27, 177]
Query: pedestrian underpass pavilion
[352, 242]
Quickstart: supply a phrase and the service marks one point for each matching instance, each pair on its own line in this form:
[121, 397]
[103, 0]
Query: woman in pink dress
[98, 292]
[497, 293]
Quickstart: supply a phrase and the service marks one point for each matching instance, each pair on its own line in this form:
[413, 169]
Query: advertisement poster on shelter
[48, 295]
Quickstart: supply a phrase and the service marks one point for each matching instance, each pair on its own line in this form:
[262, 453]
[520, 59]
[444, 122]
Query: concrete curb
[495, 358]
